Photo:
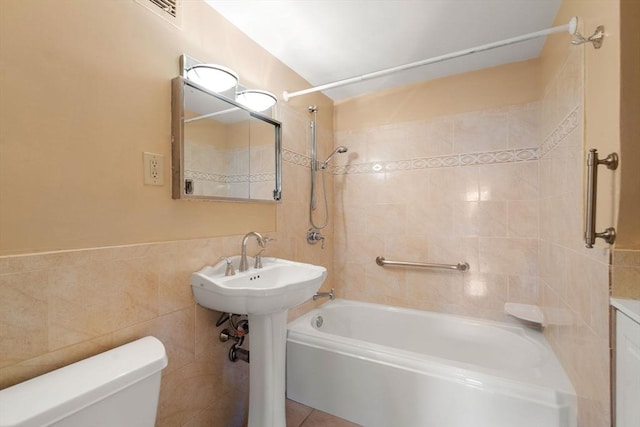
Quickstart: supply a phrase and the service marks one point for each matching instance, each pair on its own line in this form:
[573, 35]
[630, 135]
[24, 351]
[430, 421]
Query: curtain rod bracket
[596, 38]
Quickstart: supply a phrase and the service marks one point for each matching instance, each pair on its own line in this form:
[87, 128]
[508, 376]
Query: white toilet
[119, 387]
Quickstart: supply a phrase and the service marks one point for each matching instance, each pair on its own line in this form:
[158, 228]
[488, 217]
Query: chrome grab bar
[590, 235]
[382, 262]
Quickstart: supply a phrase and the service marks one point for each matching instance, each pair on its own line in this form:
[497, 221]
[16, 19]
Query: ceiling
[330, 40]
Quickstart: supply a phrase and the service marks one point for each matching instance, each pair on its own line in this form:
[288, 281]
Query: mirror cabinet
[222, 150]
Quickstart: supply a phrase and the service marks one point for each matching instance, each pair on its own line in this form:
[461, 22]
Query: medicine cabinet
[222, 150]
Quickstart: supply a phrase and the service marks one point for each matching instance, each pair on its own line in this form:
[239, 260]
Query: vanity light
[216, 78]
[257, 100]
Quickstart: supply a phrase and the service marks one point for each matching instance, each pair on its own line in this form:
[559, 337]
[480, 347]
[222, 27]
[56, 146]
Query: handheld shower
[313, 235]
[340, 149]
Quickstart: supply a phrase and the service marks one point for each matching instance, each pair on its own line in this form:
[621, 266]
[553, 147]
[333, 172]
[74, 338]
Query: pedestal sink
[264, 294]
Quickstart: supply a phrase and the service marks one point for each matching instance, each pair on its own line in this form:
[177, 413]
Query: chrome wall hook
[596, 38]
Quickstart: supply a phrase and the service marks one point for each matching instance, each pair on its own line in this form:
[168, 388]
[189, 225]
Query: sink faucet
[244, 264]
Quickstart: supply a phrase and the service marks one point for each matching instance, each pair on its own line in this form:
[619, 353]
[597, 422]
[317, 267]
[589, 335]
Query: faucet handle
[258, 263]
[267, 239]
[314, 236]
[229, 271]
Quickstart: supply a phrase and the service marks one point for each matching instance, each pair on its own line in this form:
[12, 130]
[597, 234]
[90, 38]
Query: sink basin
[279, 285]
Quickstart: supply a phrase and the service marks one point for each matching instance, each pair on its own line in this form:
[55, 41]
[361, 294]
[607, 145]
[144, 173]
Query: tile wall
[459, 188]
[574, 281]
[57, 308]
[60, 307]
[626, 274]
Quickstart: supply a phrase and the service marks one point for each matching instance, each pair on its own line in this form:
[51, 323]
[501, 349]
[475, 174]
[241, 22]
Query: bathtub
[381, 366]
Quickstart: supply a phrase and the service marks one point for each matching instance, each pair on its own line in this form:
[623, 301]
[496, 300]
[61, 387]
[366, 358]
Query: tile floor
[299, 415]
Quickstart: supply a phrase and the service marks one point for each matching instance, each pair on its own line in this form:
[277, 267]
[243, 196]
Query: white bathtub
[381, 366]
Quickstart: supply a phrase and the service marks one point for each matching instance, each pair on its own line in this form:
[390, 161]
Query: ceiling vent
[169, 10]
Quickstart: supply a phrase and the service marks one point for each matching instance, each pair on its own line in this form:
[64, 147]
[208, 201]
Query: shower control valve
[314, 236]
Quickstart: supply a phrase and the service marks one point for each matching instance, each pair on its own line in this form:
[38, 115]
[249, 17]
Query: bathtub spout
[319, 295]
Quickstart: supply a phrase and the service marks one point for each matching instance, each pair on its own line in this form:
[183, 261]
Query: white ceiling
[329, 40]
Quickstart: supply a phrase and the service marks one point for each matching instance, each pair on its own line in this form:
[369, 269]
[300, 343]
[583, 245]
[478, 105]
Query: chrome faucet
[244, 264]
[330, 294]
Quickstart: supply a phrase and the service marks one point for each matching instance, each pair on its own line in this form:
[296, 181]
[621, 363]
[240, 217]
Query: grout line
[306, 418]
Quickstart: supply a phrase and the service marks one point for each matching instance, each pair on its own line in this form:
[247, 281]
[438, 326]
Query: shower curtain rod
[571, 27]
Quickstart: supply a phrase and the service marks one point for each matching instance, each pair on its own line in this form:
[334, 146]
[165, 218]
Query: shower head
[340, 149]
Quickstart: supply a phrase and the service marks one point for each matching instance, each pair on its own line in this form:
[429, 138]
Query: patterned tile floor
[299, 415]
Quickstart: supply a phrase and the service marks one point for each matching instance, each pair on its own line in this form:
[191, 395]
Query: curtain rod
[571, 27]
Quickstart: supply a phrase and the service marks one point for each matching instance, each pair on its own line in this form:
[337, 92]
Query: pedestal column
[267, 369]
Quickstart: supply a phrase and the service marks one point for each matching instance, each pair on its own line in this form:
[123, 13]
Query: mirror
[221, 150]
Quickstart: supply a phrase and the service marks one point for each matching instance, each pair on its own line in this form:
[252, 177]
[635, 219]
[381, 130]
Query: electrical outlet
[153, 169]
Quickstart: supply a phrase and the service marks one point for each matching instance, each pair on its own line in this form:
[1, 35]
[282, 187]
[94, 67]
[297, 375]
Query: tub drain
[318, 321]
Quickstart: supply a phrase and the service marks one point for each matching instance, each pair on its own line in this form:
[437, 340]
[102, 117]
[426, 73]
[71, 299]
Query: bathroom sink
[264, 295]
[279, 285]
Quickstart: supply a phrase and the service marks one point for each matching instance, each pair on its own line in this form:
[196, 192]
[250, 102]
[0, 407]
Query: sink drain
[318, 321]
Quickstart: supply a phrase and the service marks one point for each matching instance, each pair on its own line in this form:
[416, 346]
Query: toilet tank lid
[57, 394]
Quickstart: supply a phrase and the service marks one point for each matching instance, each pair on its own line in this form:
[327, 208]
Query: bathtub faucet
[319, 295]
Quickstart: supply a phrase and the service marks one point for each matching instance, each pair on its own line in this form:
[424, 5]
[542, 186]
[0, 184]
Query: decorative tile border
[262, 177]
[468, 159]
[566, 126]
[295, 158]
[229, 179]
[571, 122]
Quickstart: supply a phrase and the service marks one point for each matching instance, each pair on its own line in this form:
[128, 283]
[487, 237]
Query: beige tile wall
[626, 274]
[60, 307]
[451, 189]
[574, 281]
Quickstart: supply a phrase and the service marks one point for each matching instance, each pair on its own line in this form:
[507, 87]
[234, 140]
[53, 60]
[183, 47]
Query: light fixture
[257, 100]
[216, 78]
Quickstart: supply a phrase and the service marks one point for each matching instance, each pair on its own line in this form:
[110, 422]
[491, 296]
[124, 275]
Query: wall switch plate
[153, 169]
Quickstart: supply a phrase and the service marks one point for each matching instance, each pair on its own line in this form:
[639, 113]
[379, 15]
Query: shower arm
[340, 149]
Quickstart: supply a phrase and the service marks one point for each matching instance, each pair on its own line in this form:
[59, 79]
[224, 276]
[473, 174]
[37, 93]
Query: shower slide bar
[590, 235]
[571, 27]
[382, 262]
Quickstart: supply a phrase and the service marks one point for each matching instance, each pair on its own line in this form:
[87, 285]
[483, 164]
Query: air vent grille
[169, 10]
[168, 6]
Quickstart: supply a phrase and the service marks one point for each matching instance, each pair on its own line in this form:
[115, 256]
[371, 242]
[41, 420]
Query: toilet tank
[119, 387]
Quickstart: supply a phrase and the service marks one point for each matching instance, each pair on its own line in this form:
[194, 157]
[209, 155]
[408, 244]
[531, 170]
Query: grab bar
[462, 266]
[590, 235]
